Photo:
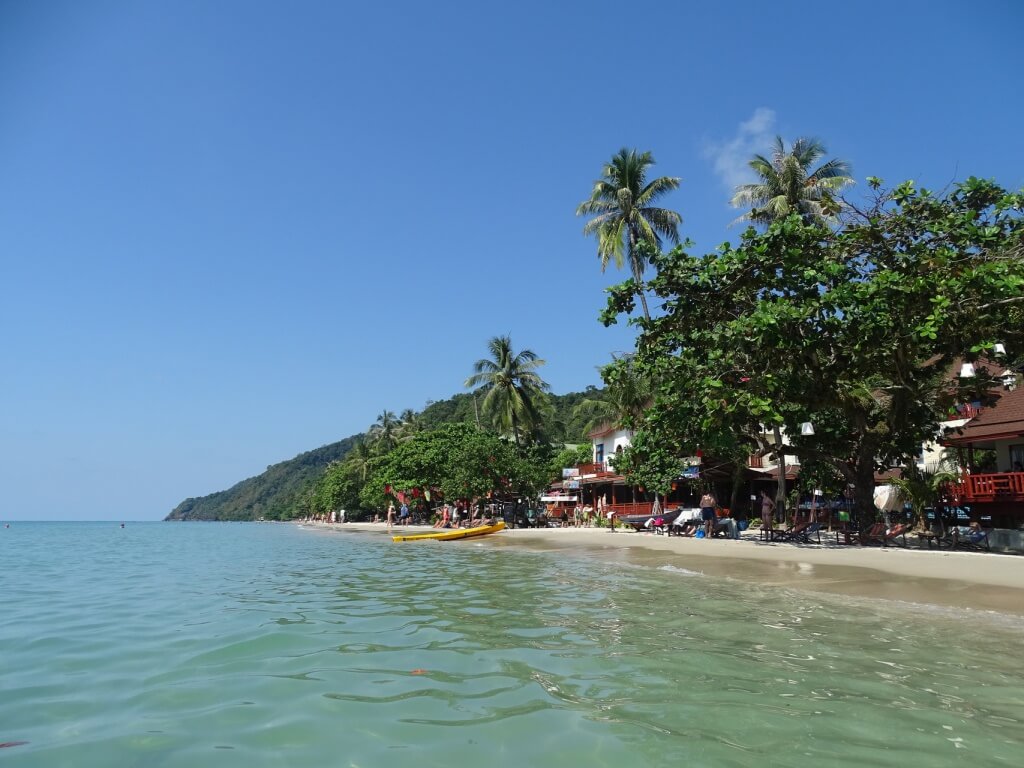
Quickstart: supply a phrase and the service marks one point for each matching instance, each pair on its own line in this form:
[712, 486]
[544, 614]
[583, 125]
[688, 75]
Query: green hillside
[277, 494]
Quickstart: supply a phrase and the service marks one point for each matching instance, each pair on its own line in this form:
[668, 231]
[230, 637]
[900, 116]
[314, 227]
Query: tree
[410, 423]
[384, 432]
[514, 389]
[922, 489]
[457, 461]
[621, 203]
[787, 184]
[622, 403]
[853, 330]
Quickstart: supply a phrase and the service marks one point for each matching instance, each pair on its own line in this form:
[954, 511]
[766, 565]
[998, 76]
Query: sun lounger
[971, 538]
[879, 534]
[801, 534]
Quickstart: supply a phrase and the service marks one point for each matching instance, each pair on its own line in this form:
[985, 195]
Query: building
[990, 451]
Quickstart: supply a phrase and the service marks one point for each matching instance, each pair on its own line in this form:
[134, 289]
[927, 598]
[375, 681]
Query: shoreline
[952, 579]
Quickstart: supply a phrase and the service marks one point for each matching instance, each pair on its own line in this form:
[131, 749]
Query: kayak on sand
[461, 533]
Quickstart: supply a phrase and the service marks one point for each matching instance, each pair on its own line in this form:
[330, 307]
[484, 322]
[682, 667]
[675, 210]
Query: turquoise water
[169, 644]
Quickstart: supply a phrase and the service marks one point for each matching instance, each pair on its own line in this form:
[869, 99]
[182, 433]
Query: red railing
[630, 508]
[756, 461]
[1003, 486]
[600, 468]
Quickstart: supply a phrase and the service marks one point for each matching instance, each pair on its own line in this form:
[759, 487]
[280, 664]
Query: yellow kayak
[460, 533]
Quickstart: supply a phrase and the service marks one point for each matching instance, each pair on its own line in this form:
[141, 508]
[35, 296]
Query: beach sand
[974, 580]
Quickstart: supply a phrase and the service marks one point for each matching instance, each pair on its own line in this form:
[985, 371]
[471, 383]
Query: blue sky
[231, 232]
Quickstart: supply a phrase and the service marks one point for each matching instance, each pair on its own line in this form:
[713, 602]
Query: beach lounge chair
[879, 534]
[971, 538]
[802, 533]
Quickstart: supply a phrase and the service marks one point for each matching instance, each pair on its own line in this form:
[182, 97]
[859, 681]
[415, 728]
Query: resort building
[990, 452]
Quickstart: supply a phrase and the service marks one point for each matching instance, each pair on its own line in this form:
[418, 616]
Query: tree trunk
[780, 488]
[739, 489]
[638, 274]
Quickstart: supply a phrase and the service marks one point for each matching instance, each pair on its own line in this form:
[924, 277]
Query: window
[599, 453]
[1017, 458]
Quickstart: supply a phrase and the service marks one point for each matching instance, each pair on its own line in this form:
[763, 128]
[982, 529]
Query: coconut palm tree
[786, 184]
[624, 215]
[514, 389]
[924, 488]
[410, 424]
[359, 458]
[384, 431]
[626, 398]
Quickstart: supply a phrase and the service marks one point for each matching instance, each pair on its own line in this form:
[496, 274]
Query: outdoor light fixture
[966, 371]
[807, 428]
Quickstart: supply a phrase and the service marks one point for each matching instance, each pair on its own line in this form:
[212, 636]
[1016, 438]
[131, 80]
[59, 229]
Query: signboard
[568, 472]
[571, 484]
[691, 473]
[691, 461]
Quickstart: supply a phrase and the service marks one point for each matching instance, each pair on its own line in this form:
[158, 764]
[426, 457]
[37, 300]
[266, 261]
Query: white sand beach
[976, 580]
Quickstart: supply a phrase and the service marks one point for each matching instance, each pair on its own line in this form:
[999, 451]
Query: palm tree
[624, 216]
[788, 185]
[359, 458]
[383, 432]
[410, 424]
[924, 488]
[514, 389]
[625, 400]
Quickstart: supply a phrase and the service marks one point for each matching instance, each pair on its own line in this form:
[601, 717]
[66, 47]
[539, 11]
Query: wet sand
[974, 580]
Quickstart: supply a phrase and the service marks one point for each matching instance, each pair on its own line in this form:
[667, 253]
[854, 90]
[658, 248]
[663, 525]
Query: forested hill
[277, 493]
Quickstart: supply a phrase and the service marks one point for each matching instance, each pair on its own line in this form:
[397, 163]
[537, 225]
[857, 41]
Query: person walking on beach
[707, 513]
[403, 514]
[391, 515]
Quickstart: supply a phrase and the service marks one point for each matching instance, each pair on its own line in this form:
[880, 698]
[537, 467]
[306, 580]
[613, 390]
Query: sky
[232, 232]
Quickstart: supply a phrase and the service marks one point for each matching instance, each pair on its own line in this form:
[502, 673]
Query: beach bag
[700, 535]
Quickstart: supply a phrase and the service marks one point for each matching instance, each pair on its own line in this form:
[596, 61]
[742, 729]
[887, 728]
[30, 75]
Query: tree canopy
[854, 330]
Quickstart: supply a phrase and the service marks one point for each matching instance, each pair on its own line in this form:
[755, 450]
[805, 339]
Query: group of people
[447, 516]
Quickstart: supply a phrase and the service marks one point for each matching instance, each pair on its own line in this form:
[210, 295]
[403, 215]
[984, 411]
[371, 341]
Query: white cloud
[731, 156]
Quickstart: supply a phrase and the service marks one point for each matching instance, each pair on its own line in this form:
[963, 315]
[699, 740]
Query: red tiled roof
[1004, 419]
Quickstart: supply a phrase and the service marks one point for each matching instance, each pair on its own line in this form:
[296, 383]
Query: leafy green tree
[514, 388]
[787, 184]
[853, 330]
[458, 461]
[624, 215]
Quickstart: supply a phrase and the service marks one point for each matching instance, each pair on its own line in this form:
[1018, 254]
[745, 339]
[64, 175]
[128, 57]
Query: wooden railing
[1002, 486]
[600, 468]
[630, 508]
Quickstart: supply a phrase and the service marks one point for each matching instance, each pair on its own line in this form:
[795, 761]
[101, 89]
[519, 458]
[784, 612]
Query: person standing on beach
[403, 514]
[707, 513]
[767, 510]
[391, 515]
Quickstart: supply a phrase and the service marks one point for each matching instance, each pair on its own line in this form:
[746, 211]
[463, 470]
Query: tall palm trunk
[638, 274]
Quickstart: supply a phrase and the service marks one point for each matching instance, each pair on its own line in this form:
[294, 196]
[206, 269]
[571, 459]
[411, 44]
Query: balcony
[1002, 486]
[599, 469]
[630, 508]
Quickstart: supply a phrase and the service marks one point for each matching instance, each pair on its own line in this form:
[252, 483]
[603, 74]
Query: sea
[245, 644]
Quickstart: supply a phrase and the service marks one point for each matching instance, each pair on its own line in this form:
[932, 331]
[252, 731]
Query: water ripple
[183, 645]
